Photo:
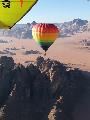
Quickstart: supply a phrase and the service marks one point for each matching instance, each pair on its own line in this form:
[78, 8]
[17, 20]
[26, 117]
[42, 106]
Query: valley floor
[68, 50]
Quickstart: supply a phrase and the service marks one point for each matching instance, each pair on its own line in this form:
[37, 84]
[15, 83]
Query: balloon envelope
[45, 34]
[11, 11]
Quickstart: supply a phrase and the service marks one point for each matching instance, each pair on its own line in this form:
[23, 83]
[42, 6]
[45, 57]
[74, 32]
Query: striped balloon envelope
[45, 34]
[11, 11]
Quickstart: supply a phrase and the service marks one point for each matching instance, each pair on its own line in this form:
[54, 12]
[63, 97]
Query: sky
[57, 11]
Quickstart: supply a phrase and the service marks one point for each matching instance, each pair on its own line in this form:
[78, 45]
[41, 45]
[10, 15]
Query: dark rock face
[46, 90]
[7, 62]
[6, 77]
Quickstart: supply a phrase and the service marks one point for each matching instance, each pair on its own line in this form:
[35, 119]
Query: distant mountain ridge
[67, 29]
[73, 27]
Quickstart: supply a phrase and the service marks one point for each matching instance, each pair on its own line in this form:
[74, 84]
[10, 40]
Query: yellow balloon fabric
[11, 11]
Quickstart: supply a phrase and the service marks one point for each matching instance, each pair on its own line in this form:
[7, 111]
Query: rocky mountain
[73, 27]
[19, 31]
[44, 90]
[67, 29]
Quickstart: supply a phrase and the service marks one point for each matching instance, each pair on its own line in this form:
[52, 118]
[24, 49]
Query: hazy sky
[58, 11]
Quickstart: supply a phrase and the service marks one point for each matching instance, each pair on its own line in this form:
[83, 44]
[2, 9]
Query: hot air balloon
[45, 35]
[11, 11]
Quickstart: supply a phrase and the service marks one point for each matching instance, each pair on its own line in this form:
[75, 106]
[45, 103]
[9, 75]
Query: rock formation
[69, 28]
[45, 90]
[6, 76]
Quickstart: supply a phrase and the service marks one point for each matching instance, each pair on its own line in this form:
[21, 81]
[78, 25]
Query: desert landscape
[58, 83]
[69, 50]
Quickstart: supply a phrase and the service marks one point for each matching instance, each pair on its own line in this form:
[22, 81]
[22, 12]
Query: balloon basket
[45, 54]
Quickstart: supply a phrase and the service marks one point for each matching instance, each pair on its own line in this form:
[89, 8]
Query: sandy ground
[67, 50]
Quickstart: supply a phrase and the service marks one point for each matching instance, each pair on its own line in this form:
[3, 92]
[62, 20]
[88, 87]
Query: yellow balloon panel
[11, 11]
[45, 37]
